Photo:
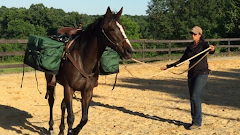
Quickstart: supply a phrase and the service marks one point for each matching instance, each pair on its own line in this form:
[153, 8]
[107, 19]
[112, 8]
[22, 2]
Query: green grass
[15, 70]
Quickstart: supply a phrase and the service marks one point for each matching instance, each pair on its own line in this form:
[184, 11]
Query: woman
[197, 76]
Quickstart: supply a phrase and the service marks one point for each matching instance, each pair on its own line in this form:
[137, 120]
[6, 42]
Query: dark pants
[196, 86]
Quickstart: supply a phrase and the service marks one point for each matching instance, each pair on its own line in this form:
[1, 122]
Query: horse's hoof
[61, 133]
[51, 132]
[70, 132]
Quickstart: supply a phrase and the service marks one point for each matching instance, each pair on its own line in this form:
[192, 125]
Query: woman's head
[196, 33]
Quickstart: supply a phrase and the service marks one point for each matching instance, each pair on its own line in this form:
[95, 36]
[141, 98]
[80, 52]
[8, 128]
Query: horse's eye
[111, 29]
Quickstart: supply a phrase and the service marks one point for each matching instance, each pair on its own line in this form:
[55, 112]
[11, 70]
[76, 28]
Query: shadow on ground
[124, 110]
[11, 117]
[223, 88]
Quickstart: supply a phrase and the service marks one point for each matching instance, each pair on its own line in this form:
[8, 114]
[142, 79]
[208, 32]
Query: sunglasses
[193, 33]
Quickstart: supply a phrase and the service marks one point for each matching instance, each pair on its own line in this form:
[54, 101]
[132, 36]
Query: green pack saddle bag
[109, 62]
[43, 54]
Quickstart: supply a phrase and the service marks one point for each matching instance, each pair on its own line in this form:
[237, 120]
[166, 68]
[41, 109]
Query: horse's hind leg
[68, 96]
[51, 102]
[62, 126]
[50, 96]
[86, 100]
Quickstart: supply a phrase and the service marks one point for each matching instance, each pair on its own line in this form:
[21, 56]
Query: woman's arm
[183, 58]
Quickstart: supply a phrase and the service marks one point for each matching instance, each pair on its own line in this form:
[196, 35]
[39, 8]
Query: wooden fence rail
[144, 43]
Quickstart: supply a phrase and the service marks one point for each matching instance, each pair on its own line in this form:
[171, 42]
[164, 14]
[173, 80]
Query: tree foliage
[165, 19]
[18, 23]
[173, 19]
[132, 28]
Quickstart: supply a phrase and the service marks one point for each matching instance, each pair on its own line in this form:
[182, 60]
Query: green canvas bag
[44, 54]
[109, 62]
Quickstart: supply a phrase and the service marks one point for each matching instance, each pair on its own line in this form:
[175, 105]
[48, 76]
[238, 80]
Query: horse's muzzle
[128, 53]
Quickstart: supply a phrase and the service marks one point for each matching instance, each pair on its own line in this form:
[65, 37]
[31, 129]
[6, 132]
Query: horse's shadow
[10, 118]
[124, 110]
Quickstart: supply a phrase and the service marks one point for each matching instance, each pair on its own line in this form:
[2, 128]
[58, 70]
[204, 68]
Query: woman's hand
[212, 48]
[163, 67]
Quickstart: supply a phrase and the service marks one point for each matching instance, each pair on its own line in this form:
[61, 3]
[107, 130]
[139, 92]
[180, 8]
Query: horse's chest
[77, 83]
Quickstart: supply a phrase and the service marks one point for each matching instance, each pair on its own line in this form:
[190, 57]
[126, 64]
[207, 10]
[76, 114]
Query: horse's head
[114, 34]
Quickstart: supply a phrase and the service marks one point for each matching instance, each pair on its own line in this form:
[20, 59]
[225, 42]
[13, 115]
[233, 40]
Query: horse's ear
[120, 13]
[108, 13]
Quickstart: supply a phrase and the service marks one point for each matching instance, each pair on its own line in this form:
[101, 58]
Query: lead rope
[145, 64]
[191, 59]
[173, 67]
[191, 66]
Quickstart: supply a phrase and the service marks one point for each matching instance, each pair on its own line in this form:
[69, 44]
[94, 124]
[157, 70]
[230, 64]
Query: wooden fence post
[169, 50]
[143, 53]
[229, 51]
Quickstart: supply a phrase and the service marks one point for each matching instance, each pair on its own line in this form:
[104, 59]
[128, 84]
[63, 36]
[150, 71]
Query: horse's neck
[91, 53]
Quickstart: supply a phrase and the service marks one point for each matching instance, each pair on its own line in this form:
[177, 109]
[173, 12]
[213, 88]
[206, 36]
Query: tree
[230, 23]
[143, 25]
[36, 15]
[19, 29]
[132, 28]
[41, 31]
[173, 19]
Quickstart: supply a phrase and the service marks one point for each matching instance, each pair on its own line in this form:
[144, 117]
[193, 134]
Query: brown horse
[87, 51]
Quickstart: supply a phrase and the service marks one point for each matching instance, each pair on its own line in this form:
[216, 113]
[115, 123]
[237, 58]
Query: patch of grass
[15, 70]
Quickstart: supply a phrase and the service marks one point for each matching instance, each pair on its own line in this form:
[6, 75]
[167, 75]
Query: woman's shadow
[140, 114]
[11, 117]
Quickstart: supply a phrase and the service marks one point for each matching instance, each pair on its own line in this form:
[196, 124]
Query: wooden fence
[171, 49]
[144, 44]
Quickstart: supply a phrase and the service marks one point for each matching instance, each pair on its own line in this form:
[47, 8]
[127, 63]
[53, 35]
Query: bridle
[117, 44]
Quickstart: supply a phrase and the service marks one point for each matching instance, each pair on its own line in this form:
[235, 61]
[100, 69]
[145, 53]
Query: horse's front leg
[68, 96]
[86, 100]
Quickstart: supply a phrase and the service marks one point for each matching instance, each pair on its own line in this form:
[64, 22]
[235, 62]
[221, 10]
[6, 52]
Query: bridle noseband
[117, 44]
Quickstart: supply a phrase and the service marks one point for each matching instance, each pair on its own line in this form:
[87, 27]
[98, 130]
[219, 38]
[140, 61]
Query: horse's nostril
[129, 50]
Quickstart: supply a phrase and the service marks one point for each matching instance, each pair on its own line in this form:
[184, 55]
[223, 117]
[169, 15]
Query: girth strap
[77, 66]
[68, 55]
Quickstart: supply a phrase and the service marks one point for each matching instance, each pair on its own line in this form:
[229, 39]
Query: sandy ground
[140, 104]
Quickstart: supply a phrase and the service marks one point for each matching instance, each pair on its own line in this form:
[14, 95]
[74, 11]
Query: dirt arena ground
[140, 104]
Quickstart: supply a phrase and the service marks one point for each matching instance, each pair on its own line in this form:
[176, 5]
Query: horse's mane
[91, 28]
[99, 22]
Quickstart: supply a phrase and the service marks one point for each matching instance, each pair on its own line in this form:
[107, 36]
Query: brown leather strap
[73, 61]
[76, 66]
[70, 44]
